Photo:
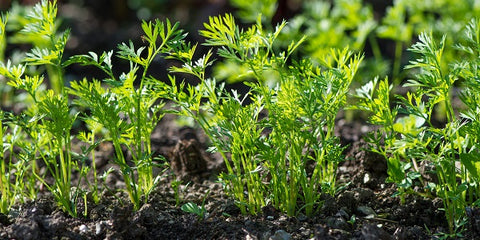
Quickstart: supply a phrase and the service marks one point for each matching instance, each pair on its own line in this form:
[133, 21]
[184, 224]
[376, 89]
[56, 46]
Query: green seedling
[176, 191]
[39, 28]
[194, 208]
[352, 220]
[17, 182]
[200, 211]
[48, 120]
[7, 195]
[301, 109]
[137, 103]
[471, 98]
[49, 124]
[437, 85]
[89, 138]
[374, 97]
[410, 136]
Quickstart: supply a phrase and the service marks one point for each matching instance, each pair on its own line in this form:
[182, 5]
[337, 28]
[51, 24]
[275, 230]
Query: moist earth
[365, 207]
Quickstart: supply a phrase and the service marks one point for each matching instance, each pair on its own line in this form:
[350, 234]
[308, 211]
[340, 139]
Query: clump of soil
[364, 208]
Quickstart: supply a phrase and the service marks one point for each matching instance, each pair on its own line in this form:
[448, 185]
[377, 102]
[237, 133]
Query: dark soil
[363, 209]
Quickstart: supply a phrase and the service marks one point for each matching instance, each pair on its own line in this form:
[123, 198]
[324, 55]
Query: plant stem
[4, 181]
[127, 174]
[96, 198]
[397, 62]
[55, 73]
[375, 48]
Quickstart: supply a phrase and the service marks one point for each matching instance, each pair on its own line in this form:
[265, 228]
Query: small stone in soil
[304, 231]
[301, 217]
[98, 228]
[248, 237]
[366, 211]
[280, 235]
[340, 232]
[282, 219]
[265, 235]
[366, 178]
[83, 228]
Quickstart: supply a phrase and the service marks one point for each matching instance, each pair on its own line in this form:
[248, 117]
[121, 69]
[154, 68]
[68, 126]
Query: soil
[364, 208]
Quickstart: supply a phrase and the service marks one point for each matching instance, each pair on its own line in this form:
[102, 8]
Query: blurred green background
[383, 30]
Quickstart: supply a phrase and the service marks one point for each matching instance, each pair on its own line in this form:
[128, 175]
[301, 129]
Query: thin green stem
[377, 53]
[4, 181]
[94, 166]
[55, 74]
[127, 174]
[397, 62]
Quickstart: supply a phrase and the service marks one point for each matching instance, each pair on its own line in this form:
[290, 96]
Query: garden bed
[151, 141]
[364, 209]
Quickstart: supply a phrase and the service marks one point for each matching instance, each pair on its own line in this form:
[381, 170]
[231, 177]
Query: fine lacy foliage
[277, 139]
[411, 137]
[128, 114]
[47, 122]
[297, 135]
[138, 104]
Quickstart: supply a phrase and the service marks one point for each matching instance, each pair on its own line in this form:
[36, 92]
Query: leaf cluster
[129, 109]
[124, 114]
[408, 135]
[270, 136]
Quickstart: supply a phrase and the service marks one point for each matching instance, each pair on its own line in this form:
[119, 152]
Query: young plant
[106, 110]
[48, 123]
[471, 98]
[297, 133]
[89, 138]
[39, 28]
[190, 207]
[200, 211]
[302, 113]
[411, 137]
[441, 145]
[17, 181]
[232, 128]
[374, 97]
[7, 191]
[24, 182]
[3, 35]
[58, 123]
[130, 112]
[176, 191]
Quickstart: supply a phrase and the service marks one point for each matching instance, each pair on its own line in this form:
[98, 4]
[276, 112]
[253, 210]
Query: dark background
[101, 25]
